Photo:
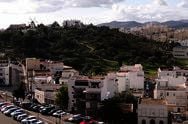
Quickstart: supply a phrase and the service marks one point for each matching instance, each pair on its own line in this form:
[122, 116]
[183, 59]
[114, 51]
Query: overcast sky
[90, 11]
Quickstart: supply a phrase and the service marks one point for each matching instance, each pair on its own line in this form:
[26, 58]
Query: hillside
[90, 49]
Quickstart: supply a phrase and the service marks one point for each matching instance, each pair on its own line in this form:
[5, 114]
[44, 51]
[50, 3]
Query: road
[7, 120]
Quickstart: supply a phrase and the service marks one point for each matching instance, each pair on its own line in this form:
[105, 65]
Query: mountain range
[131, 24]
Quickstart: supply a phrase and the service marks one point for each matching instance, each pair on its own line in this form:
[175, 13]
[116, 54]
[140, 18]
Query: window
[161, 122]
[152, 121]
[167, 94]
[179, 109]
[143, 121]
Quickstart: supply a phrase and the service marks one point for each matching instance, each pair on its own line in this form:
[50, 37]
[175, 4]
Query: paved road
[7, 120]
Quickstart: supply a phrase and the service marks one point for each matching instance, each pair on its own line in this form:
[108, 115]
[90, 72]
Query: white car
[34, 121]
[28, 118]
[31, 121]
[17, 111]
[7, 112]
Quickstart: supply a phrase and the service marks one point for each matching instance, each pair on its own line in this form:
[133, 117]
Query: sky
[90, 11]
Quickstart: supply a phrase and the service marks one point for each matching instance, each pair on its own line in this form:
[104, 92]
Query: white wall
[109, 86]
[166, 73]
[136, 80]
[127, 80]
[171, 81]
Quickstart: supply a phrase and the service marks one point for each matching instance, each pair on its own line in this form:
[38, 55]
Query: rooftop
[154, 101]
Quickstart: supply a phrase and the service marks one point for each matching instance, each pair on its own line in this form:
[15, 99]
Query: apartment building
[176, 97]
[11, 74]
[171, 85]
[45, 93]
[130, 77]
[178, 75]
[180, 52]
[109, 87]
[84, 94]
[152, 111]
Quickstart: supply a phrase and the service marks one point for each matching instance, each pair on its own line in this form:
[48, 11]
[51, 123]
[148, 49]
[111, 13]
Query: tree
[20, 91]
[62, 97]
[112, 111]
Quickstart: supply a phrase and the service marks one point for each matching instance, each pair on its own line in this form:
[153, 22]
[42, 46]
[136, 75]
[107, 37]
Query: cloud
[6, 1]
[47, 6]
[91, 3]
[55, 5]
[148, 12]
[161, 2]
[183, 3]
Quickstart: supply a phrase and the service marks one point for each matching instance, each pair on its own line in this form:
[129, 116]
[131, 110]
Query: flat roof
[153, 101]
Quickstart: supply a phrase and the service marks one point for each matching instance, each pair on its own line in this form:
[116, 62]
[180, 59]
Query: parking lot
[6, 120]
[36, 110]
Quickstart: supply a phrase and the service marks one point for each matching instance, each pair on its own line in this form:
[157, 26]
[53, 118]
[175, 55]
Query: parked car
[25, 105]
[36, 108]
[30, 121]
[21, 117]
[28, 118]
[53, 111]
[76, 118]
[7, 112]
[4, 104]
[57, 113]
[46, 110]
[6, 108]
[16, 114]
[17, 111]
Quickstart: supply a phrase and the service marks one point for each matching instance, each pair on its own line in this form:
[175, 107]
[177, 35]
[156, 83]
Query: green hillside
[90, 49]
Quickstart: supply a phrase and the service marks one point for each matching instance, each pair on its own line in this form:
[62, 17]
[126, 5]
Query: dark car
[26, 105]
[52, 111]
[36, 108]
[46, 110]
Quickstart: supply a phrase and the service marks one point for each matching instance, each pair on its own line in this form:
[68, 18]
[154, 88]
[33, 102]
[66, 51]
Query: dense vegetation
[90, 49]
[113, 110]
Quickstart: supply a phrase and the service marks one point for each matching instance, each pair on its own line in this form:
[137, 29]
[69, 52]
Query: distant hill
[131, 24]
[116, 24]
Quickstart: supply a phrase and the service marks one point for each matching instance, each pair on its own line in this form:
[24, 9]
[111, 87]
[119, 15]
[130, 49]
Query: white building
[176, 97]
[163, 71]
[10, 74]
[152, 111]
[130, 77]
[169, 81]
[171, 77]
[110, 86]
[180, 52]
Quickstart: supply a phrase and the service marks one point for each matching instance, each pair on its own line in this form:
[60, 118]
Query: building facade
[152, 111]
